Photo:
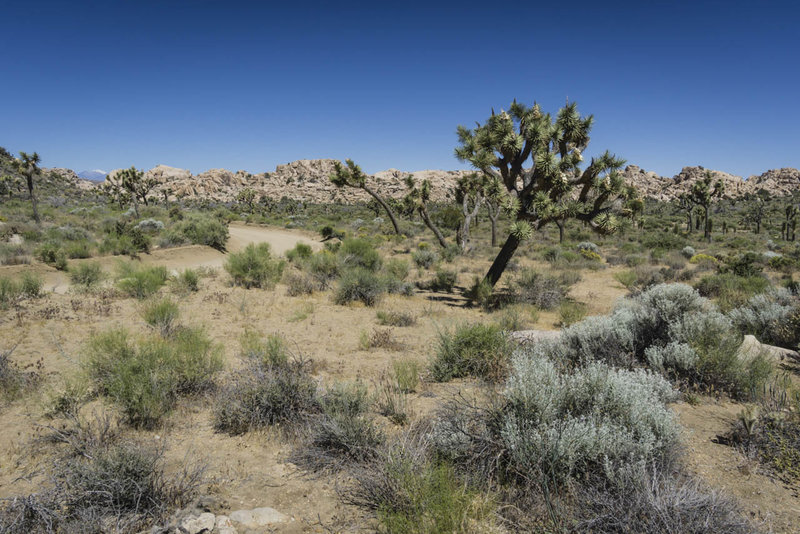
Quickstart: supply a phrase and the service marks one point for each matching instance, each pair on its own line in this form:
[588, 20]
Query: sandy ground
[252, 470]
[178, 258]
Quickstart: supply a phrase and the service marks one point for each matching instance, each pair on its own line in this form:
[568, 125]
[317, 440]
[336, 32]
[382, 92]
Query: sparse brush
[570, 312]
[162, 315]
[300, 253]
[271, 351]
[140, 282]
[187, 281]
[86, 275]
[406, 375]
[478, 350]
[30, 285]
[379, 339]
[359, 253]
[338, 441]
[9, 292]
[543, 291]
[424, 258]
[254, 267]
[395, 318]
[260, 396]
[359, 285]
[392, 402]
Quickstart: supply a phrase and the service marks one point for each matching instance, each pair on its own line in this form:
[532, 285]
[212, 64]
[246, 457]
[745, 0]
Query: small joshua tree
[495, 196]
[353, 176]
[27, 165]
[686, 204]
[538, 160]
[790, 224]
[247, 196]
[703, 194]
[756, 209]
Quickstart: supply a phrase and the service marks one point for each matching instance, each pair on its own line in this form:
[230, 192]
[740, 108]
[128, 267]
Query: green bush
[424, 258]
[543, 291]
[161, 314]
[397, 268]
[9, 291]
[271, 351]
[570, 312]
[30, 285]
[87, 274]
[730, 290]
[140, 282]
[254, 267]
[78, 250]
[145, 378]
[359, 253]
[478, 350]
[443, 280]
[261, 396]
[395, 318]
[187, 281]
[359, 285]
[480, 292]
[323, 267]
[406, 375]
[299, 253]
[202, 230]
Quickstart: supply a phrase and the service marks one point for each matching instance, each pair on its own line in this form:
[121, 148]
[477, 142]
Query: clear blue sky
[200, 84]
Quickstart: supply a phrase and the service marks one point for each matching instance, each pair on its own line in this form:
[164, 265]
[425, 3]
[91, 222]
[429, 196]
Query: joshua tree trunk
[560, 225]
[706, 225]
[463, 232]
[689, 222]
[29, 179]
[429, 223]
[502, 259]
[493, 214]
[385, 206]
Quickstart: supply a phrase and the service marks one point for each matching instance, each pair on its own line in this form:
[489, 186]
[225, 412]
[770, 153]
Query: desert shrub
[397, 268]
[299, 253]
[395, 286]
[412, 493]
[201, 230]
[13, 379]
[323, 267]
[424, 258]
[767, 315]
[391, 402]
[588, 245]
[150, 225]
[299, 283]
[146, 377]
[269, 352]
[480, 293]
[591, 256]
[140, 282]
[359, 285]
[664, 241]
[52, 254]
[634, 260]
[570, 312]
[254, 267]
[187, 281]
[9, 292]
[688, 252]
[443, 280]
[406, 375]
[86, 275]
[359, 253]
[78, 249]
[30, 285]
[260, 395]
[730, 290]
[543, 291]
[347, 399]
[516, 317]
[744, 265]
[395, 318]
[478, 350]
[563, 425]
[380, 339]
[162, 315]
[772, 438]
[100, 483]
[659, 502]
[118, 245]
[626, 278]
[337, 441]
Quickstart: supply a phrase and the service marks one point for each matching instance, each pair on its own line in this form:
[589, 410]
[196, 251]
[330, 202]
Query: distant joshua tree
[353, 176]
[27, 165]
[703, 194]
[417, 200]
[537, 158]
[470, 196]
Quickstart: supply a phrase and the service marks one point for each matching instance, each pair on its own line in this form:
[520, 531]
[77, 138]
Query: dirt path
[179, 258]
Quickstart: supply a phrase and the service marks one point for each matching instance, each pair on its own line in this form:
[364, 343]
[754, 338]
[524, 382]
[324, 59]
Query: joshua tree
[703, 194]
[27, 165]
[469, 195]
[417, 200]
[553, 187]
[790, 224]
[353, 176]
[130, 180]
[247, 196]
[495, 195]
[756, 209]
[686, 204]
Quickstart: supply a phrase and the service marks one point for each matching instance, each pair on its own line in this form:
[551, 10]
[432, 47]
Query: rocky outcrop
[308, 181]
[778, 182]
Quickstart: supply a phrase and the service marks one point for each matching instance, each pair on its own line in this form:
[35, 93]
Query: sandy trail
[186, 257]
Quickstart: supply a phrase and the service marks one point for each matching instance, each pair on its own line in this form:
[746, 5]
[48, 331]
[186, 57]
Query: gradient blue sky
[201, 84]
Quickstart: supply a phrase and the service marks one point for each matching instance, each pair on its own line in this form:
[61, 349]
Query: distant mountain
[96, 175]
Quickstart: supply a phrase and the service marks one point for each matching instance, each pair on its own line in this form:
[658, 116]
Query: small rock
[198, 525]
[224, 525]
[258, 517]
